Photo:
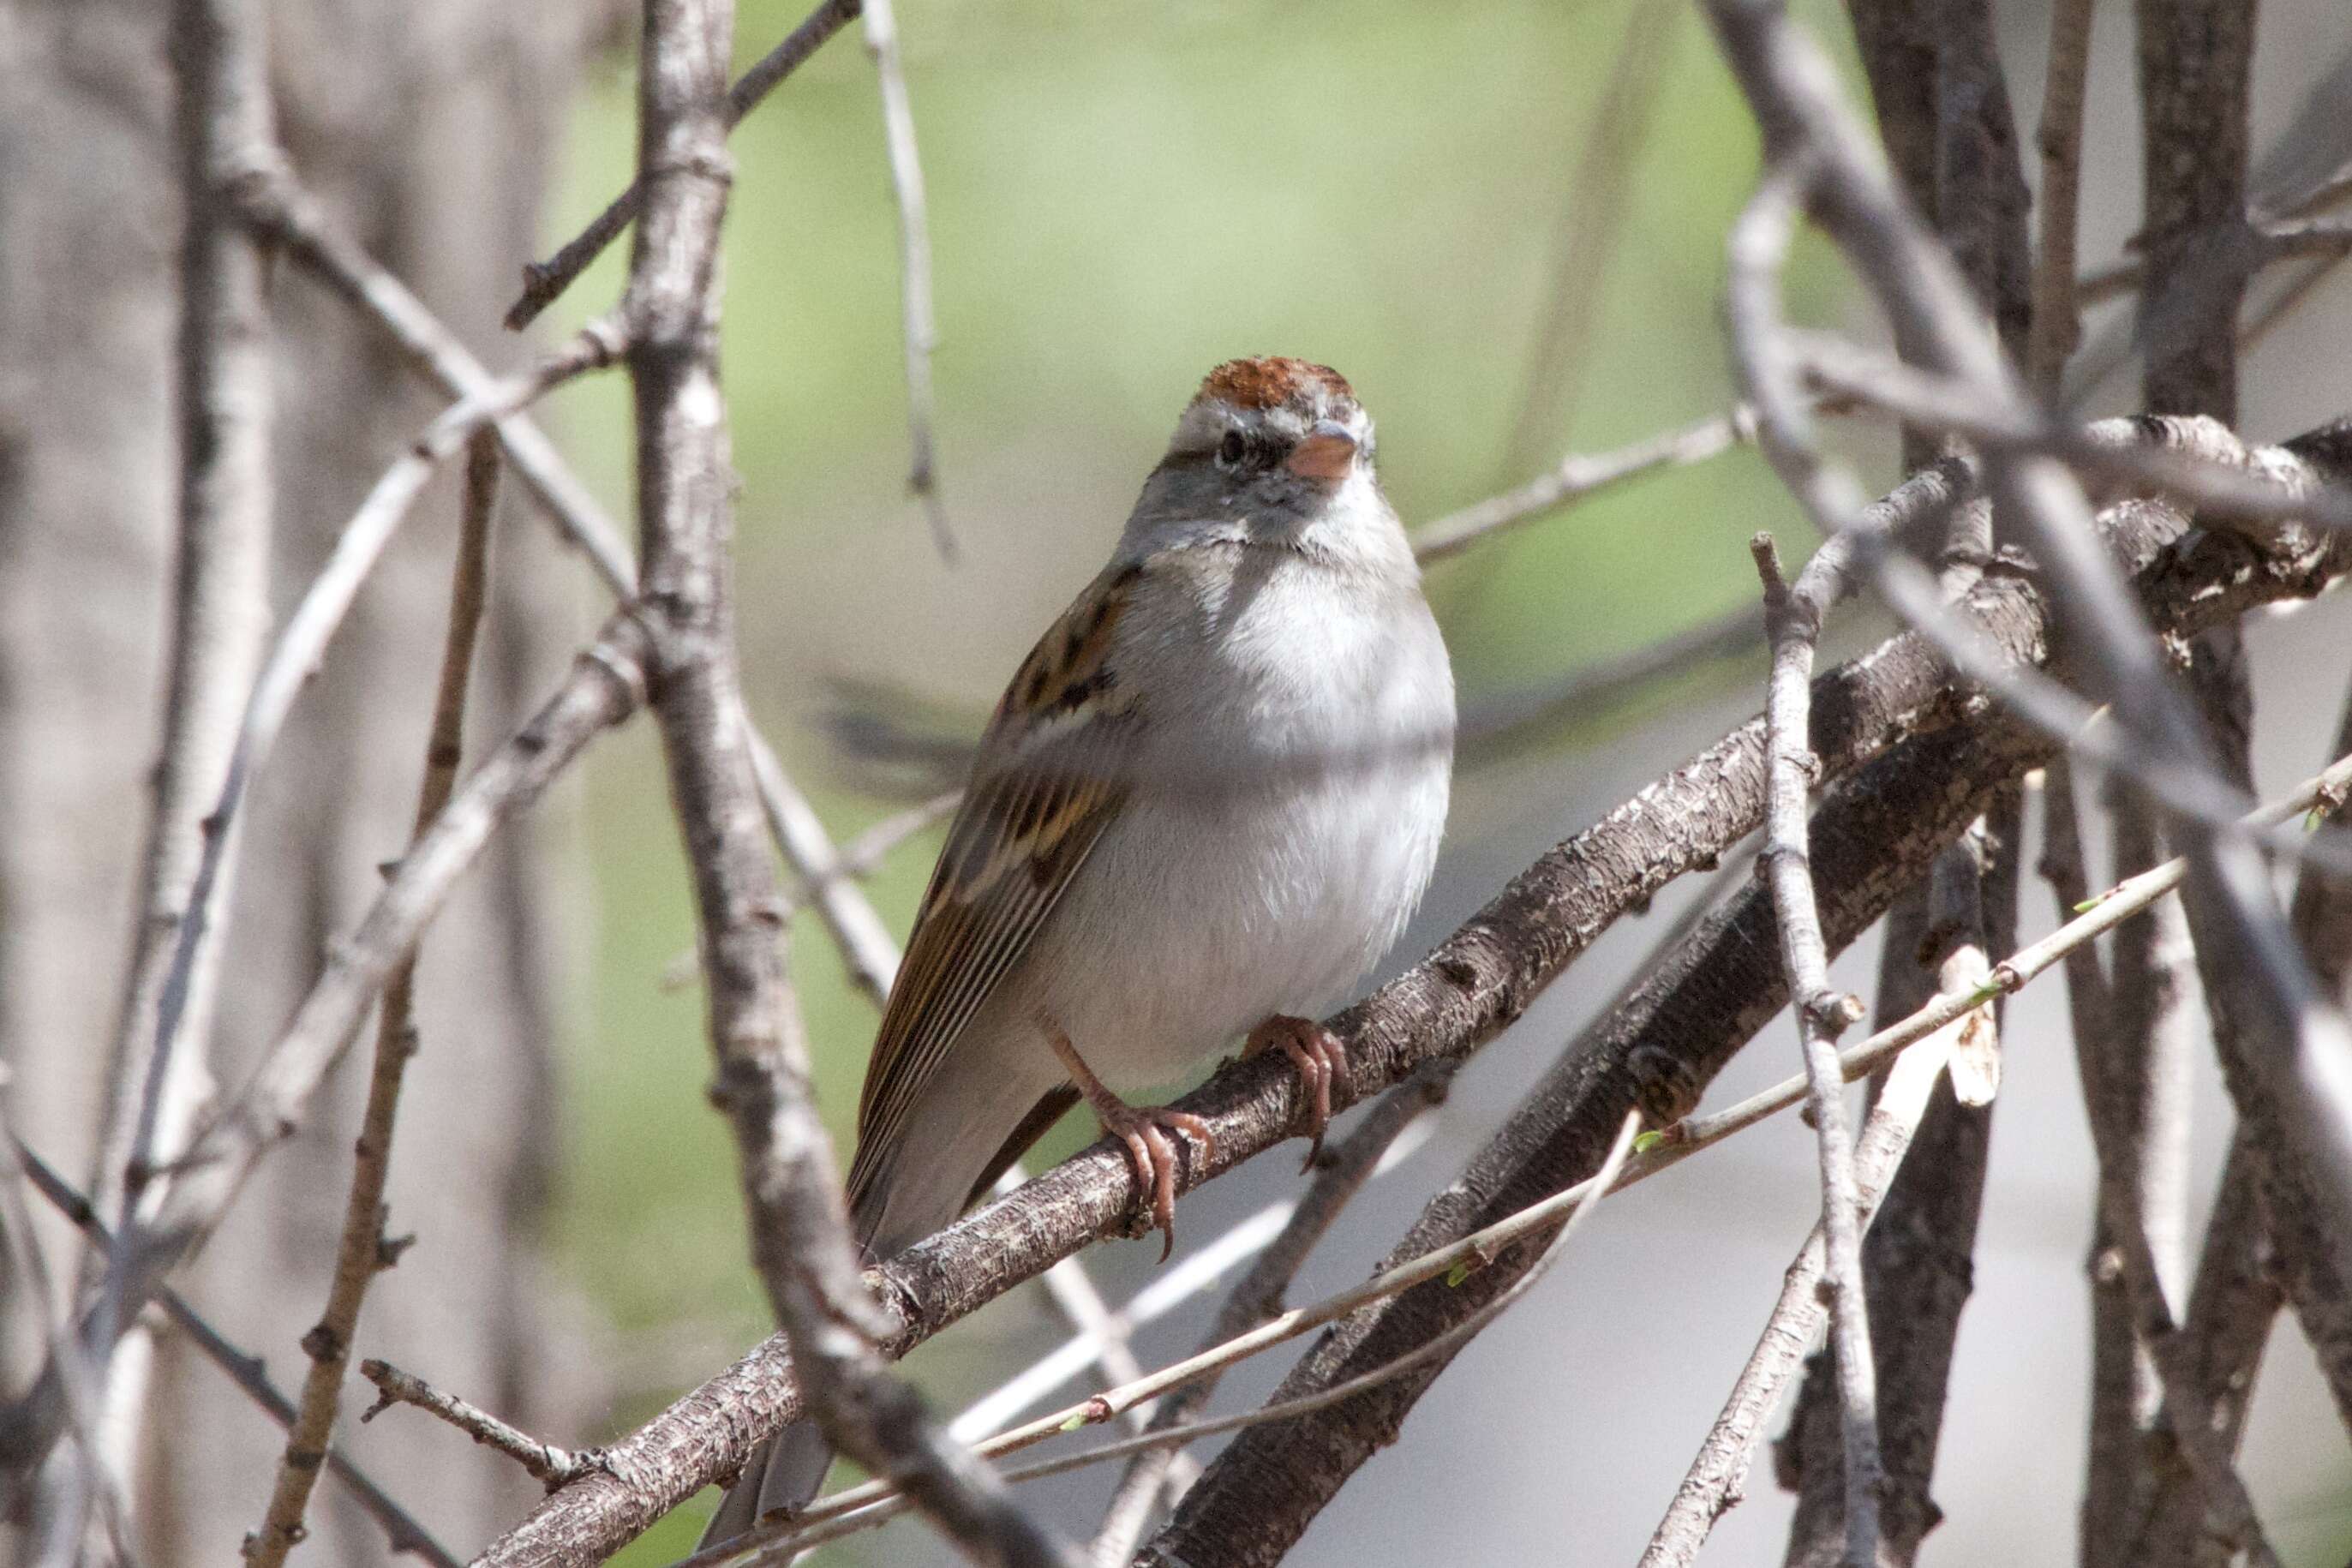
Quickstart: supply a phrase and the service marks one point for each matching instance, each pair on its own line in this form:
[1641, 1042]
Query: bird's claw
[1145, 1130]
[1319, 1057]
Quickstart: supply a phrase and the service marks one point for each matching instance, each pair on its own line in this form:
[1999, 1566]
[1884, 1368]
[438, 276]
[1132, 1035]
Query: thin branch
[2057, 313]
[28, 1270]
[2196, 461]
[550, 1466]
[156, 1071]
[867, 949]
[277, 205]
[401, 1530]
[1717, 1475]
[1792, 623]
[919, 322]
[2281, 240]
[863, 855]
[1792, 620]
[544, 281]
[801, 1243]
[362, 1249]
[1577, 477]
[1587, 234]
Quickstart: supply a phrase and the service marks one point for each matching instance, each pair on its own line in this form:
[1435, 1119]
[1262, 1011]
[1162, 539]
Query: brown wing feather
[1049, 779]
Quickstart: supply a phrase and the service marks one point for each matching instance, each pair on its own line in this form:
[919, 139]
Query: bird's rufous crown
[1270, 382]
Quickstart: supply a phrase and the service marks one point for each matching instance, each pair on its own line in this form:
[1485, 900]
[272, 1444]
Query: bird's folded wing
[1053, 773]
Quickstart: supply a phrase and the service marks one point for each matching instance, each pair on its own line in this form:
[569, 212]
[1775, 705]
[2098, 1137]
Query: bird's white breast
[1290, 795]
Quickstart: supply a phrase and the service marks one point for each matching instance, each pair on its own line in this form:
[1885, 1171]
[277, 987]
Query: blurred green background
[1121, 196]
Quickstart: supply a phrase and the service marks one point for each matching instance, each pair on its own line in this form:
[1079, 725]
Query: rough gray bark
[427, 128]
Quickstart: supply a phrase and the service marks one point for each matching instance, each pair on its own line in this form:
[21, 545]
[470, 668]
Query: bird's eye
[1232, 448]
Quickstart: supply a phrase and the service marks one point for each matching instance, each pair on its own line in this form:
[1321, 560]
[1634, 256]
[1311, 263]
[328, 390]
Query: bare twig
[550, 1466]
[865, 944]
[1578, 476]
[28, 1270]
[919, 322]
[2280, 240]
[544, 281]
[1716, 1477]
[2057, 316]
[401, 1528]
[277, 205]
[863, 855]
[361, 1250]
[1793, 619]
[156, 1073]
[801, 1243]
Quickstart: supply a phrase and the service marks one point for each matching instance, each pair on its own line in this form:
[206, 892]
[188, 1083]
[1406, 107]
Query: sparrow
[1204, 807]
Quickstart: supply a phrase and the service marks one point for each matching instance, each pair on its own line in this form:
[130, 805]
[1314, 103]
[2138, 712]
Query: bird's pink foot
[1145, 1130]
[1319, 1057]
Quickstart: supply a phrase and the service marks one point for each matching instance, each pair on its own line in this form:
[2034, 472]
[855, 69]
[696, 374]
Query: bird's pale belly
[1230, 912]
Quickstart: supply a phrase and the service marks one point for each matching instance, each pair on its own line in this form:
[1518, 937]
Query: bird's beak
[1326, 453]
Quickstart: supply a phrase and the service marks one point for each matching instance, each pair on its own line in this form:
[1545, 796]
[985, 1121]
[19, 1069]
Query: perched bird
[1207, 804]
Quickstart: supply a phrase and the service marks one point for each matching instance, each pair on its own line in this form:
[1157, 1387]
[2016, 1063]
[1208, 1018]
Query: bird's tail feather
[907, 1201]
